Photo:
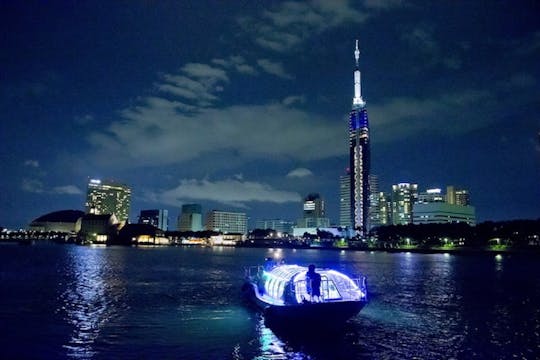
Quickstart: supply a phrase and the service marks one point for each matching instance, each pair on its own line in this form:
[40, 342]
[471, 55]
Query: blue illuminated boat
[281, 291]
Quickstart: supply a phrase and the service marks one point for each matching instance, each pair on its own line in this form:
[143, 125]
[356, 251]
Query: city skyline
[246, 110]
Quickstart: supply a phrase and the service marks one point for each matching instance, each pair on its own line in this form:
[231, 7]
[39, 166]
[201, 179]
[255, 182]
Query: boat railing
[331, 292]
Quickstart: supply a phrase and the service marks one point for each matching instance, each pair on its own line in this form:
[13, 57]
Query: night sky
[243, 105]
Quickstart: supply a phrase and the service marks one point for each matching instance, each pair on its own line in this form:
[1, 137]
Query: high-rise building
[359, 155]
[345, 213]
[457, 196]
[431, 196]
[108, 197]
[385, 209]
[404, 195]
[226, 222]
[314, 213]
[380, 205]
[374, 206]
[157, 217]
[190, 218]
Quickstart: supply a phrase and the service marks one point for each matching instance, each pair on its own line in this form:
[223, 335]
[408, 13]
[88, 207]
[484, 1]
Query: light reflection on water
[87, 302]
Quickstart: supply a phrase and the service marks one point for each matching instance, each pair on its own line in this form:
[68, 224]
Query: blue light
[358, 119]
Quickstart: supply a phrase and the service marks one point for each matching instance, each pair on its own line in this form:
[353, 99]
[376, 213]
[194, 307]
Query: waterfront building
[313, 213]
[359, 155]
[442, 212]
[67, 221]
[190, 218]
[98, 228]
[278, 225]
[158, 218]
[226, 222]
[142, 234]
[345, 213]
[108, 197]
[404, 195]
[457, 196]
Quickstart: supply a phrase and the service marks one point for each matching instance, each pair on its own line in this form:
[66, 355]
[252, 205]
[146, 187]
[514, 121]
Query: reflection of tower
[107, 198]
[359, 155]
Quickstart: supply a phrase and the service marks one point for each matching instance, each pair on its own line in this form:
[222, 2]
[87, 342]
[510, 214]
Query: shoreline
[533, 250]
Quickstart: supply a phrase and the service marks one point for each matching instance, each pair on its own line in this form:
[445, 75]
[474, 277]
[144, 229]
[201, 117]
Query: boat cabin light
[335, 286]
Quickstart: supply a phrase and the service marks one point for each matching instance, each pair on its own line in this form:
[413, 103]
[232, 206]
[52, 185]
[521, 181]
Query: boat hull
[309, 313]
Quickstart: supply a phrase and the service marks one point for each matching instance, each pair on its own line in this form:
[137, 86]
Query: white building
[226, 222]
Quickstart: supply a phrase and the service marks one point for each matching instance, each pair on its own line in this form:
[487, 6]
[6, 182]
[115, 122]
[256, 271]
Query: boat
[282, 292]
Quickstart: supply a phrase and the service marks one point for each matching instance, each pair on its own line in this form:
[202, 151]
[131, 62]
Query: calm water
[62, 301]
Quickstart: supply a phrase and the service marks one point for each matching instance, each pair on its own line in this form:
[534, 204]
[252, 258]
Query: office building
[457, 196]
[227, 222]
[279, 225]
[345, 213]
[433, 207]
[431, 196]
[313, 213]
[404, 195]
[158, 218]
[190, 218]
[442, 212]
[359, 155]
[108, 197]
[374, 211]
[380, 210]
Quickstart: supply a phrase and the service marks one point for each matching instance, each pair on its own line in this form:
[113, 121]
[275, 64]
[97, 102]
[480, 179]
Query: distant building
[381, 209]
[404, 195]
[59, 221]
[345, 210]
[142, 234]
[190, 218]
[431, 196]
[108, 197]
[98, 228]
[457, 196]
[433, 207]
[279, 225]
[314, 213]
[158, 218]
[441, 212]
[374, 207]
[226, 222]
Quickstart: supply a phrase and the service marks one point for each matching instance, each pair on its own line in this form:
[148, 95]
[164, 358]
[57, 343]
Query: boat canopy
[287, 284]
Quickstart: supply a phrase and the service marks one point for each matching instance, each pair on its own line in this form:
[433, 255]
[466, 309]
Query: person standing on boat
[313, 283]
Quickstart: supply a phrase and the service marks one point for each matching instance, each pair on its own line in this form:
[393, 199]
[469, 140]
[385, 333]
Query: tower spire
[357, 100]
[357, 54]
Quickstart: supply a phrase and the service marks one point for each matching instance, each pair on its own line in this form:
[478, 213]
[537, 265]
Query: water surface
[68, 301]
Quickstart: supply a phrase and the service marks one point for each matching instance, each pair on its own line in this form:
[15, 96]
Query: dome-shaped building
[60, 221]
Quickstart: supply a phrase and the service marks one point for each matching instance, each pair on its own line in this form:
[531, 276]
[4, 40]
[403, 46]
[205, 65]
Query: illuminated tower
[359, 155]
[108, 197]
